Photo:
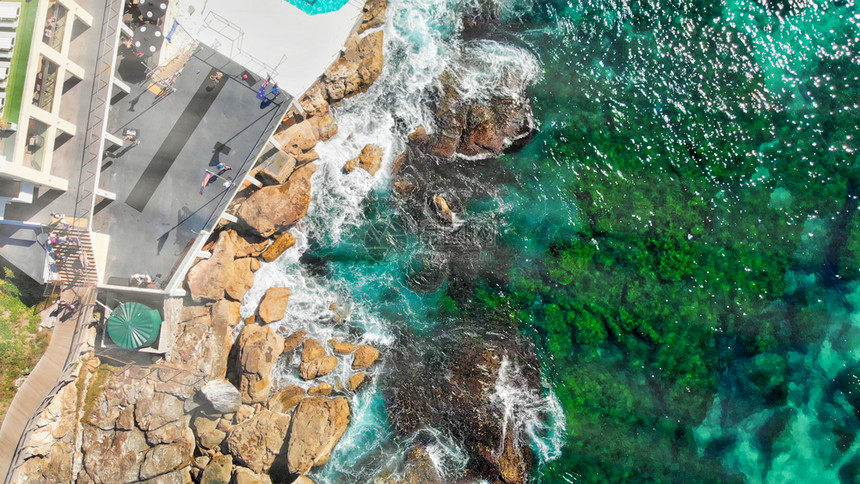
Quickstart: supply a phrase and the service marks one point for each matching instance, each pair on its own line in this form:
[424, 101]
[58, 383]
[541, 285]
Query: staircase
[74, 258]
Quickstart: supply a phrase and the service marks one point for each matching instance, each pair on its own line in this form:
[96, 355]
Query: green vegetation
[21, 342]
[15, 88]
[703, 216]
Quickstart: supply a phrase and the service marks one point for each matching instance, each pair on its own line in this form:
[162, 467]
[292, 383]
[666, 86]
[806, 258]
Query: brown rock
[307, 157]
[244, 413]
[218, 470]
[208, 434]
[350, 165]
[442, 209]
[274, 304]
[314, 103]
[318, 424]
[167, 433]
[111, 456]
[243, 475]
[250, 246]
[226, 313]
[364, 357]
[286, 398]
[160, 409]
[297, 139]
[357, 380]
[324, 126]
[370, 158]
[419, 136]
[272, 209]
[279, 246]
[312, 350]
[341, 348]
[512, 466]
[356, 69]
[277, 168]
[259, 348]
[321, 389]
[256, 442]
[318, 367]
[166, 458]
[404, 188]
[294, 340]
[372, 15]
[303, 480]
[208, 278]
[399, 162]
[125, 421]
[243, 278]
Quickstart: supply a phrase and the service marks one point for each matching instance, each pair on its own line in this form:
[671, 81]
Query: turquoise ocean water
[679, 238]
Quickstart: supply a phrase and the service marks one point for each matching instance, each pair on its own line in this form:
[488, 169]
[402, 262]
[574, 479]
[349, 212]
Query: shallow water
[679, 238]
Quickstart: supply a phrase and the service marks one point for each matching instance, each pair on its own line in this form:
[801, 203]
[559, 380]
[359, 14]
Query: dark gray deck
[159, 210]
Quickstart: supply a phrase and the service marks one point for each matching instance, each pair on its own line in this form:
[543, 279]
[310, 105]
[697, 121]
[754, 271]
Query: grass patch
[18, 69]
[95, 389]
[21, 341]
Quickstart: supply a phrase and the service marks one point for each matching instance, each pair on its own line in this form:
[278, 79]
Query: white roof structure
[7, 40]
[4, 69]
[10, 10]
[268, 37]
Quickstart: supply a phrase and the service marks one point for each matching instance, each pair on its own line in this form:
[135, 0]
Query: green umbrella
[133, 325]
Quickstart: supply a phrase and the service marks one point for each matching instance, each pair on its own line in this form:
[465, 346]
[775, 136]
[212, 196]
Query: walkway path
[45, 379]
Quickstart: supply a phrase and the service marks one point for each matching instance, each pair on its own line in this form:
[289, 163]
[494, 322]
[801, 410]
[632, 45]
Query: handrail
[68, 367]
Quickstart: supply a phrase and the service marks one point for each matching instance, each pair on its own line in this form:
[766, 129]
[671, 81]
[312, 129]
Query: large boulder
[208, 278]
[463, 398]
[243, 475]
[478, 128]
[166, 458]
[297, 139]
[370, 159]
[364, 356]
[256, 442]
[324, 126]
[372, 15]
[243, 277]
[274, 304]
[273, 209]
[279, 246]
[160, 409]
[311, 350]
[113, 456]
[313, 102]
[222, 395]
[286, 398]
[209, 436]
[226, 313]
[318, 424]
[218, 470]
[318, 367]
[356, 69]
[259, 348]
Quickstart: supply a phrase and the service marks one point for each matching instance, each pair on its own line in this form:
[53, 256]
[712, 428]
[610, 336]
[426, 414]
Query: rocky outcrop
[357, 67]
[341, 348]
[478, 128]
[242, 279]
[419, 470]
[372, 15]
[209, 436]
[279, 246]
[243, 475]
[273, 209]
[298, 139]
[318, 367]
[208, 279]
[443, 210]
[462, 388]
[256, 442]
[370, 160]
[274, 304]
[218, 470]
[323, 389]
[294, 340]
[318, 424]
[222, 395]
[259, 348]
[357, 380]
[364, 356]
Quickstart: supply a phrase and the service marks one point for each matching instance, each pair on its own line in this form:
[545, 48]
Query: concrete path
[43, 379]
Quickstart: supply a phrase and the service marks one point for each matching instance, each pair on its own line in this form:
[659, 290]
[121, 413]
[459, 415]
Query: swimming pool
[314, 7]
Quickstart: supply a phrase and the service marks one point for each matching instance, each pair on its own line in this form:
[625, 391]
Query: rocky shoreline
[211, 411]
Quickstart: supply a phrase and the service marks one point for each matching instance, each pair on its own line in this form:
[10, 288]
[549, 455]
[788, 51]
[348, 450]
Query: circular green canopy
[133, 325]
